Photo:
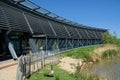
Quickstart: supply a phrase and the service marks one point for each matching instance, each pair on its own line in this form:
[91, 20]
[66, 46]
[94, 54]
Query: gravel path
[8, 73]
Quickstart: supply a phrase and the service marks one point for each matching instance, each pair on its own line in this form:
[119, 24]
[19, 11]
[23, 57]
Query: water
[108, 69]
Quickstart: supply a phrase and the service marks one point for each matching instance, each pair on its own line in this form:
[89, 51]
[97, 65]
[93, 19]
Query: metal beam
[52, 28]
[67, 31]
[10, 46]
[28, 23]
[33, 46]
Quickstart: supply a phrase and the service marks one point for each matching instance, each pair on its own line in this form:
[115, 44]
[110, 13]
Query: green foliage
[80, 76]
[78, 68]
[80, 52]
[57, 77]
[89, 57]
[112, 39]
[110, 53]
[62, 75]
[86, 77]
[59, 74]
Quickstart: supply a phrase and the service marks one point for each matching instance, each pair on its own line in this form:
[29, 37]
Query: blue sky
[95, 13]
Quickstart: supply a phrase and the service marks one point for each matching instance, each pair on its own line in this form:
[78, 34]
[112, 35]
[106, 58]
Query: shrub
[112, 39]
[80, 76]
[88, 57]
[110, 53]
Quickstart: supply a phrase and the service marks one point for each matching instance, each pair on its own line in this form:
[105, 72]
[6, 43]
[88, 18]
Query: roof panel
[13, 17]
[39, 25]
[74, 34]
[59, 29]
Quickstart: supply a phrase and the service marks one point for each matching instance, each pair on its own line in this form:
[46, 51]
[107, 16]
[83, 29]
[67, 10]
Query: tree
[108, 38]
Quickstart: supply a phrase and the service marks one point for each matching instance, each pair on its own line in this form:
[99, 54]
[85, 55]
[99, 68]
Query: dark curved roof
[17, 15]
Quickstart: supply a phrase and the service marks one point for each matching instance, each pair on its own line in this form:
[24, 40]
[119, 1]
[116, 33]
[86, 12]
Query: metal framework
[45, 28]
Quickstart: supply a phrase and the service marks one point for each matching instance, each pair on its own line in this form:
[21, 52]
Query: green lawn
[62, 74]
[80, 52]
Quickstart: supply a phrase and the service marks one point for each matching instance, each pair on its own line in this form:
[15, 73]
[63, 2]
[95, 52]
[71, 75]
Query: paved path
[8, 70]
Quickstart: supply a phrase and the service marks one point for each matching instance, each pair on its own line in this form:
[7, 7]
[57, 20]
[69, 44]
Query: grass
[59, 74]
[88, 54]
[110, 54]
[80, 52]
[81, 76]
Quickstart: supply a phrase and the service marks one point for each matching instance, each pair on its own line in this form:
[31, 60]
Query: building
[26, 26]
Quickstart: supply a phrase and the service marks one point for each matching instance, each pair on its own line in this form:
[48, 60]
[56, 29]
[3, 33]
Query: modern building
[26, 26]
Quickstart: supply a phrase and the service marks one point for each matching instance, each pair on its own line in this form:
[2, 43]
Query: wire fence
[28, 64]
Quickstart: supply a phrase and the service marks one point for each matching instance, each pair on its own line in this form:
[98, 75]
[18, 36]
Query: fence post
[42, 58]
[18, 70]
[29, 65]
[24, 66]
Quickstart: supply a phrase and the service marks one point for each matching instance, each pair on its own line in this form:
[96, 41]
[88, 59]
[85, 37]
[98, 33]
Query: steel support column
[46, 42]
[66, 44]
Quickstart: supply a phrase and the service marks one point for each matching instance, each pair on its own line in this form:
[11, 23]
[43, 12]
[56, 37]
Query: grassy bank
[80, 52]
[91, 53]
[111, 54]
[60, 74]
[94, 53]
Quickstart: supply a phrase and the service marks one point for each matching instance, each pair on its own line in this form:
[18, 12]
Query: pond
[108, 69]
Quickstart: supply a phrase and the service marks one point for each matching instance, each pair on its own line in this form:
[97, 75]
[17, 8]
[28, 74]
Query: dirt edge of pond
[69, 64]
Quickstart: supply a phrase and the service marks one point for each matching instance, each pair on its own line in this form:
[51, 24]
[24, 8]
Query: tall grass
[110, 54]
[80, 76]
[88, 53]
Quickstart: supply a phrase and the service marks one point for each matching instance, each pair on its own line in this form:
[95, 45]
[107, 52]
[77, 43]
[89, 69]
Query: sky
[94, 13]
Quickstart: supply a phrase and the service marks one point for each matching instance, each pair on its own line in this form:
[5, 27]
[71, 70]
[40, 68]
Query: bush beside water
[110, 39]
[110, 54]
[80, 76]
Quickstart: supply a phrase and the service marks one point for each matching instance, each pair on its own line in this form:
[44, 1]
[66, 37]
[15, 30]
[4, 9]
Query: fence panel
[29, 64]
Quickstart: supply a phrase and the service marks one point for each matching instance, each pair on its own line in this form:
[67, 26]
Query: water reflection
[108, 69]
